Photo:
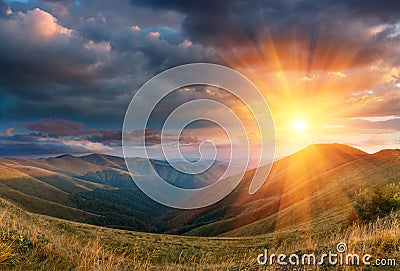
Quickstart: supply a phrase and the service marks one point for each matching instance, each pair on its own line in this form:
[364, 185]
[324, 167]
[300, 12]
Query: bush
[378, 201]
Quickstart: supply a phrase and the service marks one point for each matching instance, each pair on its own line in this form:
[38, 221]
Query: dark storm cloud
[183, 95]
[85, 63]
[204, 20]
[327, 24]
[42, 61]
[120, 14]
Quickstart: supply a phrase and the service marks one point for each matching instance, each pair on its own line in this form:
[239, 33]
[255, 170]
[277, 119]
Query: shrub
[378, 201]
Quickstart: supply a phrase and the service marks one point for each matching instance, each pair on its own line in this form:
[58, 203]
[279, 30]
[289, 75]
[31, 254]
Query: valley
[312, 188]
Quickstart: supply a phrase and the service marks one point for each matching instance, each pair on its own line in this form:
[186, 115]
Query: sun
[300, 125]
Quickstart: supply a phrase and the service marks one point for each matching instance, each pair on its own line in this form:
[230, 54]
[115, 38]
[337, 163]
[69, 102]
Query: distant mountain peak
[100, 155]
[388, 154]
[94, 155]
[388, 151]
[104, 160]
[67, 155]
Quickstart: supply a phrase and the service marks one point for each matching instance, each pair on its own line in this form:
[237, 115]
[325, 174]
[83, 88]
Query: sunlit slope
[53, 186]
[42, 191]
[311, 189]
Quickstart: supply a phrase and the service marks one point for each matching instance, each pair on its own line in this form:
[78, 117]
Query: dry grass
[35, 242]
[380, 238]
[28, 243]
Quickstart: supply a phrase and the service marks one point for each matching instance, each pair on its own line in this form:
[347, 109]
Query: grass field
[36, 242]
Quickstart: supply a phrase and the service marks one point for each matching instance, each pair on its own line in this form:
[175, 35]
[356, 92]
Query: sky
[329, 69]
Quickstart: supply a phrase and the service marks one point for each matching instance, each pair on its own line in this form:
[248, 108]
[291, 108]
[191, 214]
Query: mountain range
[309, 189]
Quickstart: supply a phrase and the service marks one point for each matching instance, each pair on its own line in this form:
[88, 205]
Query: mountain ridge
[313, 186]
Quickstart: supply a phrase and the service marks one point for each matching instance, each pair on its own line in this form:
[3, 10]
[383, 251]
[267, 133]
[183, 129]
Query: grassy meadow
[36, 242]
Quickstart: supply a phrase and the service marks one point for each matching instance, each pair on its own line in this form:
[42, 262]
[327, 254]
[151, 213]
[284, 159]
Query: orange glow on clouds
[327, 85]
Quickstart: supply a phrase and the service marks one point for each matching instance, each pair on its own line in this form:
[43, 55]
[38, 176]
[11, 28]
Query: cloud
[40, 24]
[61, 129]
[305, 29]
[108, 137]
[153, 138]
[55, 136]
[154, 35]
[8, 132]
[388, 125]
[38, 144]
[57, 128]
[81, 66]
[384, 101]
[60, 7]
[186, 94]
[83, 60]
[38, 53]
[65, 136]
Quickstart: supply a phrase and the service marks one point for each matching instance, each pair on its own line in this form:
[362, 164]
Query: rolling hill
[95, 188]
[311, 189]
